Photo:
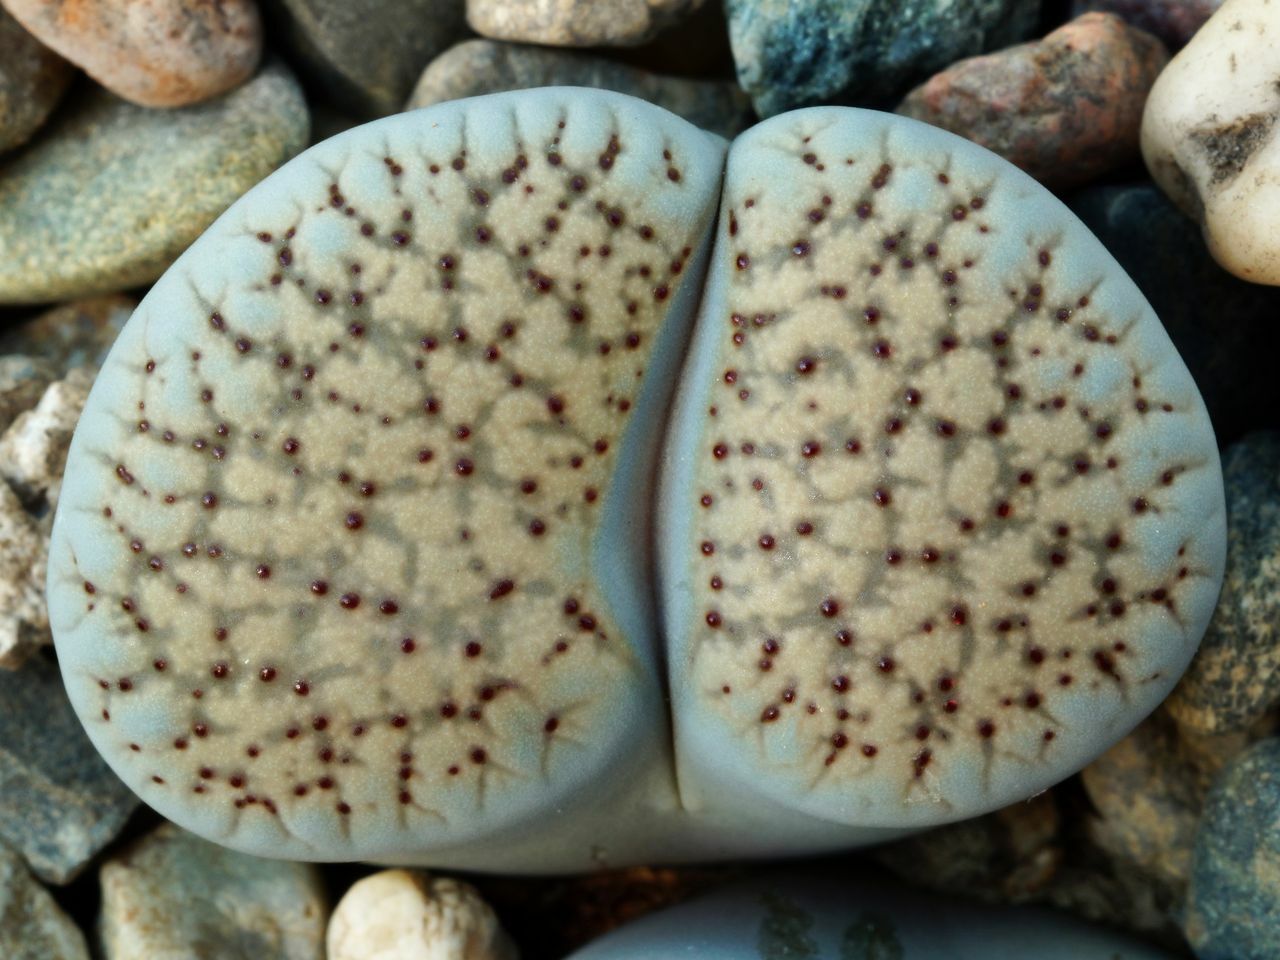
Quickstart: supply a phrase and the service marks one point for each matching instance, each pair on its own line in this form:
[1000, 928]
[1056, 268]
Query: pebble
[1147, 802]
[408, 915]
[1173, 21]
[175, 896]
[155, 53]
[24, 552]
[59, 801]
[1220, 325]
[33, 451]
[71, 335]
[364, 59]
[795, 53]
[1234, 906]
[32, 81]
[477, 67]
[110, 195]
[1066, 109]
[575, 23]
[22, 383]
[32, 925]
[1210, 136]
[1235, 677]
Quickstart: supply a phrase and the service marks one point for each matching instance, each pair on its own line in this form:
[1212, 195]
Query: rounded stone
[575, 23]
[1235, 678]
[1066, 109]
[172, 894]
[483, 66]
[155, 53]
[1173, 21]
[1233, 912]
[112, 192]
[32, 80]
[32, 925]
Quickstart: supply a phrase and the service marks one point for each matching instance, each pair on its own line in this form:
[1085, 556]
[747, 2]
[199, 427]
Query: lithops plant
[828, 916]
[352, 559]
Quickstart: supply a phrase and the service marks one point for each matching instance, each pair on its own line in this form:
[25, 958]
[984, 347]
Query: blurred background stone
[156, 53]
[71, 335]
[32, 925]
[111, 193]
[1234, 907]
[32, 80]
[477, 67]
[172, 894]
[796, 53]
[362, 54]
[575, 23]
[1066, 109]
[1173, 21]
[24, 548]
[59, 801]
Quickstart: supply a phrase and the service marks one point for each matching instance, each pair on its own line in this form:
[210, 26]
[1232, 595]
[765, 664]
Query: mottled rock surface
[59, 801]
[794, 53]
[1173, 21]
[1235, 677]
[70, 335]
[575, 23]
[33, 450]
[1211, 136]
[407, 915]
[32, 80]
[113, 192]
[24, 548]
[32, 925]
[1066, 109]
[482, 66]
[22, 382]
[172, 894]
[1233, 911]
[155, 53]
[1223, 328]
[362, 54]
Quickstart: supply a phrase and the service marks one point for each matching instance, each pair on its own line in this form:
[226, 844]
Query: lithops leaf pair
[828, 916]
[353, 558]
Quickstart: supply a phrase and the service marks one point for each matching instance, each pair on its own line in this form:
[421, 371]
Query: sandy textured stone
[32, 925]
[24, 548]
[575, 23]
[484, 66]
[406, 915]
[70, 335]
[32, 79]
[59, 802]
[1235, 677]
[22, 383]
[112, 192]
[33, 450]
[1066, 109]
[174, 895]
[155, 53]
[1233, 911]
[1211, 139]
[364, 54]
[1173, 21]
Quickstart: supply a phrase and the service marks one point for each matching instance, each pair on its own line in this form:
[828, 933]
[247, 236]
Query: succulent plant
[353, 558]
[828, 916]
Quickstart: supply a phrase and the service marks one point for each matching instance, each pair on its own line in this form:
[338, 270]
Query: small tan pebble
[24, 548]
[155, 53]
[409, 915]
[1066, 108]
[33, 450]
[575, 23]
[1211, 140]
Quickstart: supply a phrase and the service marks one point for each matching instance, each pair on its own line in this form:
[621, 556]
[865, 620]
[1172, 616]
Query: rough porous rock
[32, 80]
[24, 548]
[575, 23]
[364, 54]
[33, 450]
[482, 66]
[1223, 327]
[1066, 109]
[1147, 802]
[32, 925]
[59, 802]
[793, 53]
[71, 335]
[1173, 21]
[172, 894]
[1233, 912]
[406, 915]
[1211, 139]
[155, 53]
[22, 383]
[1235, 678]
[113, 192]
